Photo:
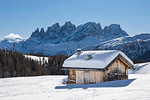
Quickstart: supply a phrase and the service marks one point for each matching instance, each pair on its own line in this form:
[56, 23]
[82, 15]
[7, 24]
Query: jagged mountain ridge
[69, 32]
[67, 38]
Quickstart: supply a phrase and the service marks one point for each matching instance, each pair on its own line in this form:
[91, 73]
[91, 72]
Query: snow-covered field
[52, 88]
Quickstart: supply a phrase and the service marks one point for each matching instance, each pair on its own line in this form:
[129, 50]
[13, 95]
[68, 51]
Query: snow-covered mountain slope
[137, 87]
[10, 40]
[30, 46]
[67, 38]
[136, 47]
[63, 39]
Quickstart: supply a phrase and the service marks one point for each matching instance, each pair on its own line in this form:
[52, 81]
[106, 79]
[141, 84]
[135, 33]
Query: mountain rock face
[114, 30]
[69, 32]
[66, 39]
[136, 47]
[55, 33]
[90, 29]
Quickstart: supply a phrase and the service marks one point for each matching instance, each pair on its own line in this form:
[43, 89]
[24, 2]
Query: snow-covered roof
[93, 59]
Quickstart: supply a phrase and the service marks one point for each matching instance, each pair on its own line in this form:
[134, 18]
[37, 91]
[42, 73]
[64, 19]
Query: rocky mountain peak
[42, 30]
[115, 30]
[67, 29]
[56, 25]
[67, 38]
[68, 24]
[37, 30]
[69, 32]
[88, 29]
[35, 33]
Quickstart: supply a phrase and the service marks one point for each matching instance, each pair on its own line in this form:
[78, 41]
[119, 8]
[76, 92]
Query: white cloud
[13, 36]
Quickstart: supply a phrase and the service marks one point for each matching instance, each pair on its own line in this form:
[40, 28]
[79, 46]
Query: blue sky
[24, 16]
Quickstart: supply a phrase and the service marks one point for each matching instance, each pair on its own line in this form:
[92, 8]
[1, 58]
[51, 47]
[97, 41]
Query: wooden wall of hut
[117, 71]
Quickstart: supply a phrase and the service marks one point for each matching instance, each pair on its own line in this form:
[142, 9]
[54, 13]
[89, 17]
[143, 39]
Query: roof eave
[105, 68]
[72, 68]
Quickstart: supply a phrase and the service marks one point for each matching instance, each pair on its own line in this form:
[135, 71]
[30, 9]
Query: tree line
[15, 64]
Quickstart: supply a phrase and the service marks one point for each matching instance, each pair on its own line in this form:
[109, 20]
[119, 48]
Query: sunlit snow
[54, 88]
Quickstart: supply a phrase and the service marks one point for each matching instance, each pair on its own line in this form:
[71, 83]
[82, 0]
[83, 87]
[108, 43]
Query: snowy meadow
[50, 87]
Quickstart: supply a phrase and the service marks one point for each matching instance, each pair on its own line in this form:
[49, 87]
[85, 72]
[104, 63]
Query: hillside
[67, 38]
[136, 47]
[52, 88]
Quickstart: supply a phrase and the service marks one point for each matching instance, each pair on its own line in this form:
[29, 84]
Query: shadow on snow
[118, 83]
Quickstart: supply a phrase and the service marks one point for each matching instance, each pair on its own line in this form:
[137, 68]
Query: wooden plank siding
[116, 71]
[99, 76]
[92, 77]
[89, 77]
[80, 77]
[86, 77]
[117, 68]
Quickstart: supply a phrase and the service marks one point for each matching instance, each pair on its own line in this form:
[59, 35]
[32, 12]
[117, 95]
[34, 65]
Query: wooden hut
[97, 66]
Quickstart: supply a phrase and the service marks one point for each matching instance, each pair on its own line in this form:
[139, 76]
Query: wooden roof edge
[122, 58]
[127, 62]
[106, 68]
[71, 68]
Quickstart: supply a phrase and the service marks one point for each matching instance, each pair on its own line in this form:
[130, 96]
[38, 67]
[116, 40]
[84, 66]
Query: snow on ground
[53, 88]
[141, 68]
